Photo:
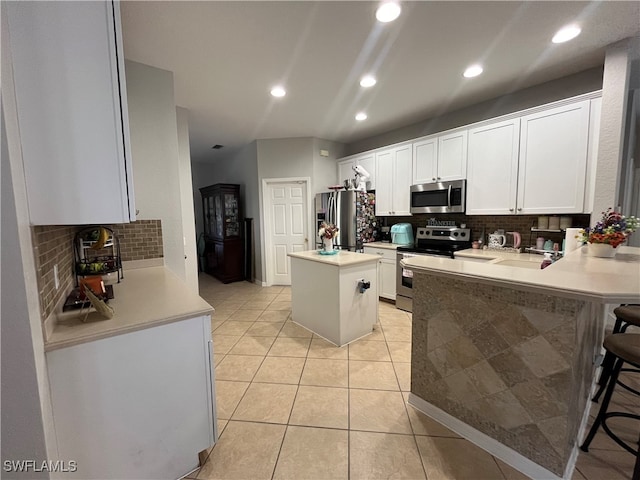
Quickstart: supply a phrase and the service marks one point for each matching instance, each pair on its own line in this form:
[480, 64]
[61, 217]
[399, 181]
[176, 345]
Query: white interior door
[288, 220]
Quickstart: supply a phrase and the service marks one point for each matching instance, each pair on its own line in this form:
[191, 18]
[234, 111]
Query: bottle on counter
[546, 261]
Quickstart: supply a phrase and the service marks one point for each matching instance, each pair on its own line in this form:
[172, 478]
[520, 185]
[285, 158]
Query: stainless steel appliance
[433, 241]
[440, 197]
[353, 212]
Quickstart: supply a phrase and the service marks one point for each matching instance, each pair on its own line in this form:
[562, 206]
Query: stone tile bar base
[514, 365]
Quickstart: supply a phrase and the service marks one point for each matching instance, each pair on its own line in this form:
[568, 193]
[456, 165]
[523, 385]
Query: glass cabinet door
[217, 230]
[232, 220]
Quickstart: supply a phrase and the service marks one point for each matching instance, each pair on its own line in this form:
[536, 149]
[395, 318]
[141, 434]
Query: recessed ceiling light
[367, 81]
[361, 116]
[473, 71]
[388, 12]
[278, 92]
[566, 33]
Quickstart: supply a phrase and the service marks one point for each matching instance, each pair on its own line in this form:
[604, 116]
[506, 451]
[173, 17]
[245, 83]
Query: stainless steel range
[432, 241]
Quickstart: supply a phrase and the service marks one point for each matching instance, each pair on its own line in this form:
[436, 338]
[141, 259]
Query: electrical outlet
[55, 276]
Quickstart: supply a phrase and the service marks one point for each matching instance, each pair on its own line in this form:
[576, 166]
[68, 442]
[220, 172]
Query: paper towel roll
[570, 241]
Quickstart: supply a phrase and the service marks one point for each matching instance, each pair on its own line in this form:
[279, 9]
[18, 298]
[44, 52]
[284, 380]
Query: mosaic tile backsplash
[512, 364]
[491, 223]
[53, 245]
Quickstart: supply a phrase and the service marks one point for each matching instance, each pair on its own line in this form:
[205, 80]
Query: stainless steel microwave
[441, 197]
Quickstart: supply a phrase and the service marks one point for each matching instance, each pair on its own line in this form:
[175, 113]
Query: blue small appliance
[402, 234]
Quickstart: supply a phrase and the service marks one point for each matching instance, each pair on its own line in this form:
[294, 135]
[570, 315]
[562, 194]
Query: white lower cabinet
[386, 271]
[136, 405]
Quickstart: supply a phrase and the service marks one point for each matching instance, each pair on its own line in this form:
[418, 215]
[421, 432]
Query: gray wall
[156, 163]
[240, 167]
[325, 170]
[22, 427]
[583, 82]
[269, 158]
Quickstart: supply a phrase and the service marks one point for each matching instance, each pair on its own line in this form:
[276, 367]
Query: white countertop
[145, 297]
[578, 275]
[343, 258]
[387, 245]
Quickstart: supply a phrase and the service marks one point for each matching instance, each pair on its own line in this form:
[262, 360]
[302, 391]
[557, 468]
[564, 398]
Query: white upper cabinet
[531, 165]
[68, 67]
[492, 175]
[553, 160]
[367, 161]
[393, 174]
[440, 158]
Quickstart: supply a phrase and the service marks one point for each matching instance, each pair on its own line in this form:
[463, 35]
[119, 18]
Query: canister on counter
[554, 223]
[565, 222]
[543, 222]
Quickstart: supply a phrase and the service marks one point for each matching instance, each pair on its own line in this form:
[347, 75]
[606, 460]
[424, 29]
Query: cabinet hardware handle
[439, 178]
[511, 209]
[520, 209]
[433, 178]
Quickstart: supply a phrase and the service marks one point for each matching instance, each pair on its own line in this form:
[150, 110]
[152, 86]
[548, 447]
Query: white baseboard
[485, 442]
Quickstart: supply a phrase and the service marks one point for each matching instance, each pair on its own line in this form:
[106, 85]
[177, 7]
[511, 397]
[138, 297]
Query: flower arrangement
[613, 229]
[328, 230]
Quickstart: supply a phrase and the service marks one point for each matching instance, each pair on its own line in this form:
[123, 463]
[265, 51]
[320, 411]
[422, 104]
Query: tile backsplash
[53, 245]
[491, 223]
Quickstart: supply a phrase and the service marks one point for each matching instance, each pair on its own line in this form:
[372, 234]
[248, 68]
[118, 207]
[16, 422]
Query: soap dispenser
[546, 261]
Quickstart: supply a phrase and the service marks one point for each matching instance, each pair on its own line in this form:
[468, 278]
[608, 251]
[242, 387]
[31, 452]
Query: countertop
[577, 275]
[343, 258]
[146, 297]
[387, 245]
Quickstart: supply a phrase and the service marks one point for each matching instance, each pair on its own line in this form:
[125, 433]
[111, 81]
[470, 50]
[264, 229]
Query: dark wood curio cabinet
[224, 251]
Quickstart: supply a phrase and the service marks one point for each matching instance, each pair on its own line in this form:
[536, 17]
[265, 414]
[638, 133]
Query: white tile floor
[292, 406]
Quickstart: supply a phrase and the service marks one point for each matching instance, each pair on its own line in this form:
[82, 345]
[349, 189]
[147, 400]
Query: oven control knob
[464, 234]
[455, 234]
[427, 232]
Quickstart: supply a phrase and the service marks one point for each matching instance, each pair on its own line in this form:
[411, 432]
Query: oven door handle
[449, 198]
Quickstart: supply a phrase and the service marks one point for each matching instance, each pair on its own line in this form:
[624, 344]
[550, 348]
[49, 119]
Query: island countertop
[577, 275]
[343, 258]
[145, 298]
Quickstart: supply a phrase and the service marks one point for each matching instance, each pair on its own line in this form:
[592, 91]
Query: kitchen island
[504, 353]
[118, 385]
[335, 296]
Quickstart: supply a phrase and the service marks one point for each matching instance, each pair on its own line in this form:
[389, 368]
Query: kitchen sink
[520, 264]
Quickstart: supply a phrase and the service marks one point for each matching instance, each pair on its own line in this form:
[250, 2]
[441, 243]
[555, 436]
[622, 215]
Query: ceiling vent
[217, 146]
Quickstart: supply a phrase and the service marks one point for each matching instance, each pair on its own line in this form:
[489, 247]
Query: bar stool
[626, 316]
[625, 348]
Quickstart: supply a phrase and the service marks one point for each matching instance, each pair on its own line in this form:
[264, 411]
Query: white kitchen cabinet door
[425, 161]
[492, 173]
[393, 173]
[553, 160]
[384, 183]
[386, 271]
[402, 167]
[345, 171]
[136, 405]
[452, 156]
[388, 279]
[368, 162]
[68, 65]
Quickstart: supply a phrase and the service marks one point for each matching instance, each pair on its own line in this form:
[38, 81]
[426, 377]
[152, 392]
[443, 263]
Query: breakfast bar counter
[335, 296]
[504, 353]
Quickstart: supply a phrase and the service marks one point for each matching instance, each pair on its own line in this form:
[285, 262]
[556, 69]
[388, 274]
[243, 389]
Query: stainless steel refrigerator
[353, 212]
